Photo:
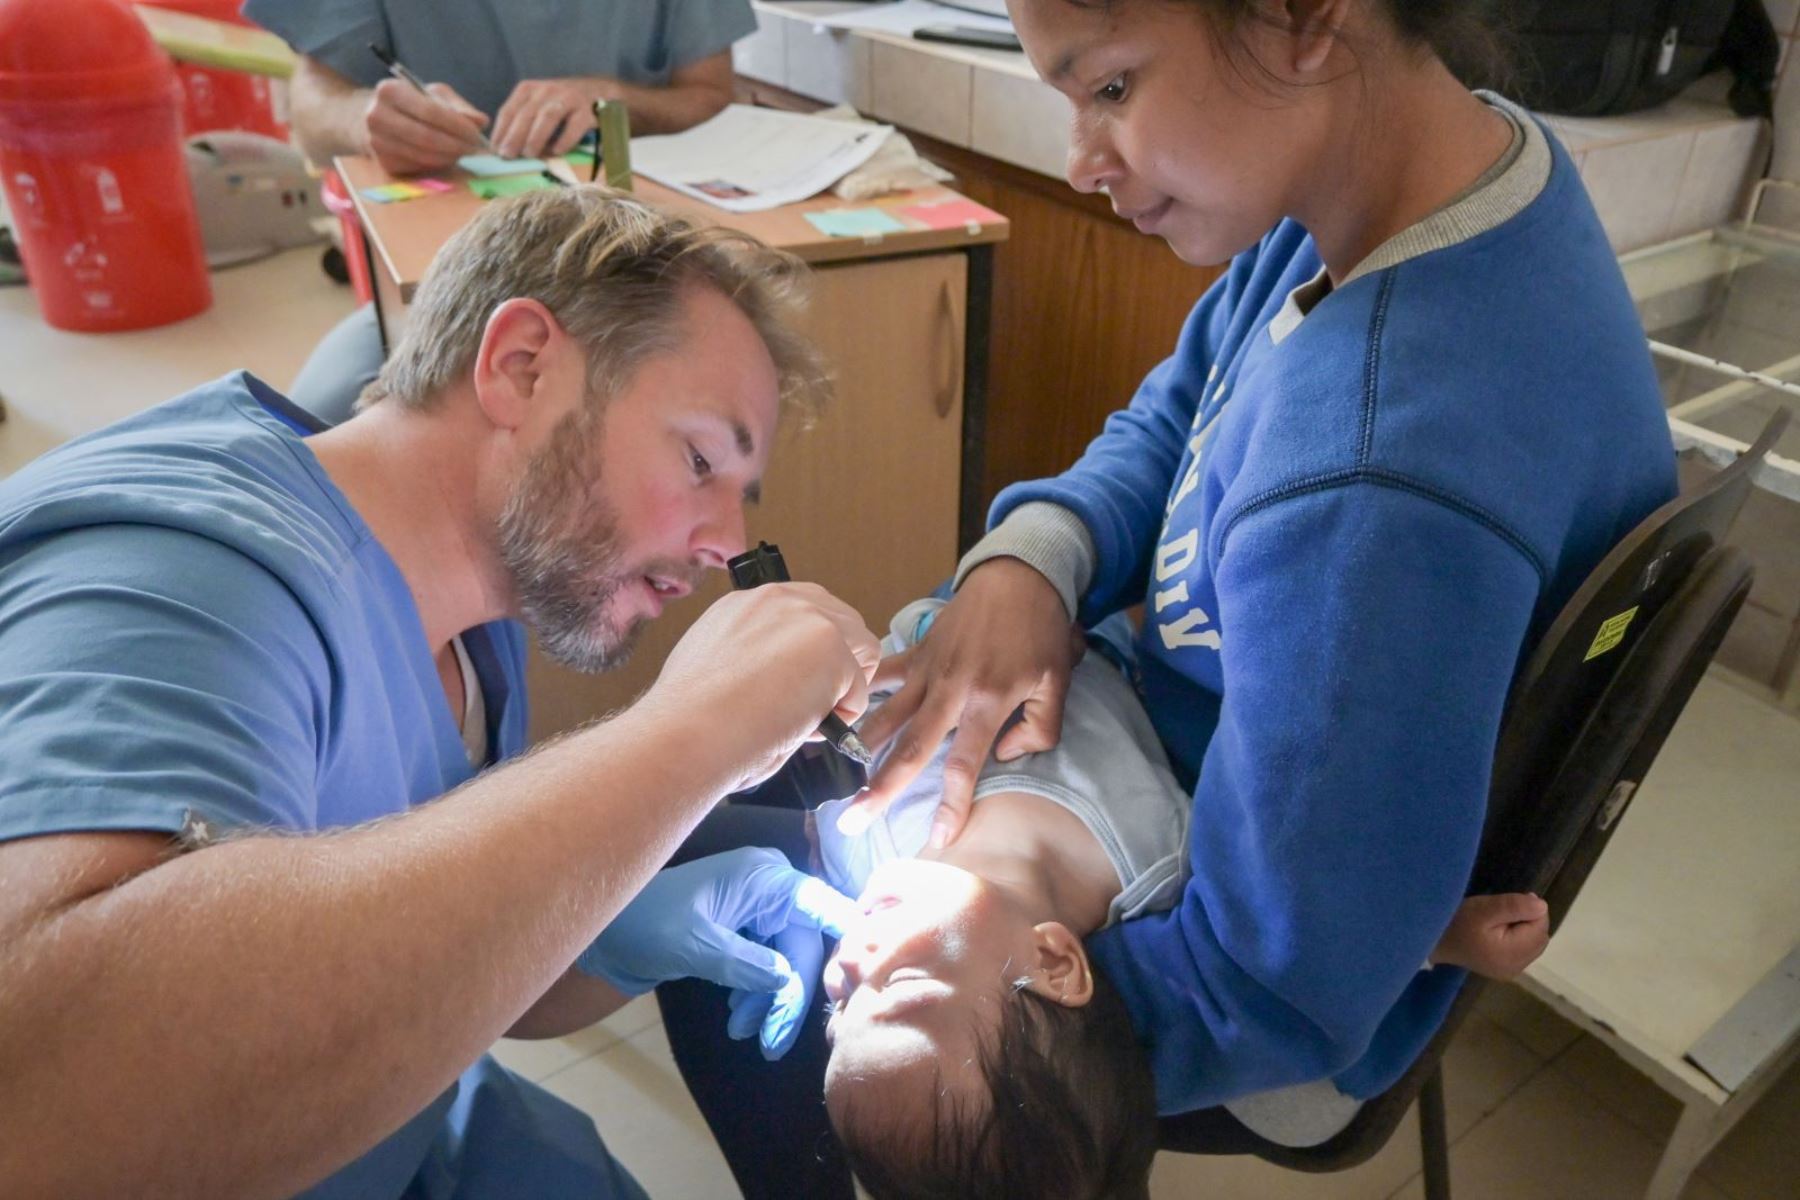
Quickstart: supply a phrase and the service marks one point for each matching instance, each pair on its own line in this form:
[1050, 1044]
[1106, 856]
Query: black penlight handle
[759, 565]
[763, 564]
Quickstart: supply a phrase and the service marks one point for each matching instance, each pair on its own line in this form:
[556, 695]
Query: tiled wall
[1784, 209]
[1667, 172]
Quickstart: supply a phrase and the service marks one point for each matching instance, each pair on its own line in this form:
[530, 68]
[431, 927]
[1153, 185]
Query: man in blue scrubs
[271, 884]
[525, 72]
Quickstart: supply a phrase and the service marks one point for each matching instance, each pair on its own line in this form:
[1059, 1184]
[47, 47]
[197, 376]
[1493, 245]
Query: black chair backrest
[1572, 742]
[1586, 717]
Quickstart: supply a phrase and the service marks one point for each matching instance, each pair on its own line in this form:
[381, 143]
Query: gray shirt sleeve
[1046, 537]
[334, 33]
[699, 29]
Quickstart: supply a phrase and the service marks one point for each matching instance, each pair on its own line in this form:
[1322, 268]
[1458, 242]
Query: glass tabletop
[1731, 294]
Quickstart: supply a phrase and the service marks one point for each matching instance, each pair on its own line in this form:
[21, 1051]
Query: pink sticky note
[434, 185]
[950, 214]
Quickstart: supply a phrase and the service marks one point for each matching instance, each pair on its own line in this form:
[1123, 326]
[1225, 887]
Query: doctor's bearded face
[558, 537]
[636, 495]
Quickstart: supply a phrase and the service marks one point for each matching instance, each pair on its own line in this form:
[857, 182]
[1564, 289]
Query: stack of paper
[750, 159]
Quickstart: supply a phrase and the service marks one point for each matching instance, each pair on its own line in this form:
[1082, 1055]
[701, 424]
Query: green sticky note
[493, 164]
[855, 222]
[508, 185]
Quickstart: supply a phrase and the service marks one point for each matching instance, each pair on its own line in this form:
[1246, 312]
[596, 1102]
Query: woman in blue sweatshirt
[1389, 444]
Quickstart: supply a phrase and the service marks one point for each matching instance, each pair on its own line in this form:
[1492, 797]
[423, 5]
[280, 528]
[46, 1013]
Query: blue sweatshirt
[1347, 526]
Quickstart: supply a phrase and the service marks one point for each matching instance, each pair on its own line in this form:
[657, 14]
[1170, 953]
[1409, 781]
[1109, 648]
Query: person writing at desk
[272, 884]
[525, 76]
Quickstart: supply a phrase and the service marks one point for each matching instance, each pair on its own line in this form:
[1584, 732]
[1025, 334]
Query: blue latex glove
[690, 921]
[778, 1015]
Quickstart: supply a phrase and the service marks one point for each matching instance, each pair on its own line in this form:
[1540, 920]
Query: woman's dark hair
[1465, 34]
[1070, 1114]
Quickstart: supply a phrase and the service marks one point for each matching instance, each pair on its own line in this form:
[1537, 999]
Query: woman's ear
[511, 361]
[1313, 32]
[1062, 973]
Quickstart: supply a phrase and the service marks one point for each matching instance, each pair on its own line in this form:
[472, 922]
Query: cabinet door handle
[952, 339]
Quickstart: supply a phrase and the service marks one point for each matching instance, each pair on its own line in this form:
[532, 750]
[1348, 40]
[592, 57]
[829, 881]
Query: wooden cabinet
[866, 501]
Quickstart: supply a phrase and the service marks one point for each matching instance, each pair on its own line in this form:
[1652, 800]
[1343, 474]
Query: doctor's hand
[1003, 642]
[690, 922]
[408, 133]
[762, 668]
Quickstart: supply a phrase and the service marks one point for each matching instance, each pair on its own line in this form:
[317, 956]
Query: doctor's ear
[518, 351]
[1062, 974]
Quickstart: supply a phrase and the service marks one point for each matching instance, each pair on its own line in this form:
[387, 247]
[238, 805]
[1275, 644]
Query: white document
[908, 15]
[750, 159]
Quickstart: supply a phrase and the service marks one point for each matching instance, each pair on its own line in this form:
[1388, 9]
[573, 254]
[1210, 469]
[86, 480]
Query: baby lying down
[975, 1050]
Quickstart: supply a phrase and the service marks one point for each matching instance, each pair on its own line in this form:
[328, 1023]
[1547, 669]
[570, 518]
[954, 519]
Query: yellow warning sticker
[1612, 632]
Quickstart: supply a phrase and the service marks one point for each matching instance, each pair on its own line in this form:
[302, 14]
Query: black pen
[398, 70]
[764, 564]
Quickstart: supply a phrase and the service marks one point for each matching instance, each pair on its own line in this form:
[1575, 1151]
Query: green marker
[614, 124]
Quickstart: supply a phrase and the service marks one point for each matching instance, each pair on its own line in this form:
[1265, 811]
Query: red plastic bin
[92, 163]
[217, 98]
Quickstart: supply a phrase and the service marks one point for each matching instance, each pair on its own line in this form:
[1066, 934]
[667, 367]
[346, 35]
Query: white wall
[1780, 209]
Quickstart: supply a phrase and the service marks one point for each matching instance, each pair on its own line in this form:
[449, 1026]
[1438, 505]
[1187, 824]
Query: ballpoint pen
[399, 71]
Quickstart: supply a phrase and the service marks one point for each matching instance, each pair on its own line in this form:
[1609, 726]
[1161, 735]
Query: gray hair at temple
[614, 271]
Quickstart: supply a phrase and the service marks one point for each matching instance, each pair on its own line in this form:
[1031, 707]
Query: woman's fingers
[893, 671]
[1509, 908]
[1040, 723]
[962, 769]
[887, 721]
[914, 747]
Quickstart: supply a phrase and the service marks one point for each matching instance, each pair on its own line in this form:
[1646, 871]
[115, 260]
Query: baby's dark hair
[1071, 1115]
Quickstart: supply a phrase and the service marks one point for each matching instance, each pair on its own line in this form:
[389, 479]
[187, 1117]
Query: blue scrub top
[198, 634]
[484, 48]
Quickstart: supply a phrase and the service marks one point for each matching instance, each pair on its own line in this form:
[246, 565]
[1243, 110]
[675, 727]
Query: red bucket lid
[52, 50]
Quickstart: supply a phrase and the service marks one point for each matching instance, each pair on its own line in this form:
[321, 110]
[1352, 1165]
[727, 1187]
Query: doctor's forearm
[669, 109]
[246, 1018]
[573, 1002]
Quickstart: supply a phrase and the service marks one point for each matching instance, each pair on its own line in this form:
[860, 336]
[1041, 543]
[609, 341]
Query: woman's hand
[1004, 641]
[1496, 936]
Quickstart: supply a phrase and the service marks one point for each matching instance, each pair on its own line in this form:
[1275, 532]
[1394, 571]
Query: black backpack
[1586, 58]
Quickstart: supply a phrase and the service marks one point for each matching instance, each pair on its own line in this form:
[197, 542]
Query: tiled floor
[1538, 1110]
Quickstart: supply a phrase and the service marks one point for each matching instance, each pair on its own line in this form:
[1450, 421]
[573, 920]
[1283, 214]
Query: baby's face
[917, 984]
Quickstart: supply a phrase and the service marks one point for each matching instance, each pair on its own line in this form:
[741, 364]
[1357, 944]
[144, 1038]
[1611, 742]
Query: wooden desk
[877, 500]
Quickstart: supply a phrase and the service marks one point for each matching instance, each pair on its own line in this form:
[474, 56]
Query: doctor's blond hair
[614, 271]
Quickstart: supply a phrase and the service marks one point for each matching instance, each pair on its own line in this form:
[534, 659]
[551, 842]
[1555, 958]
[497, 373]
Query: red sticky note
[950, 214]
